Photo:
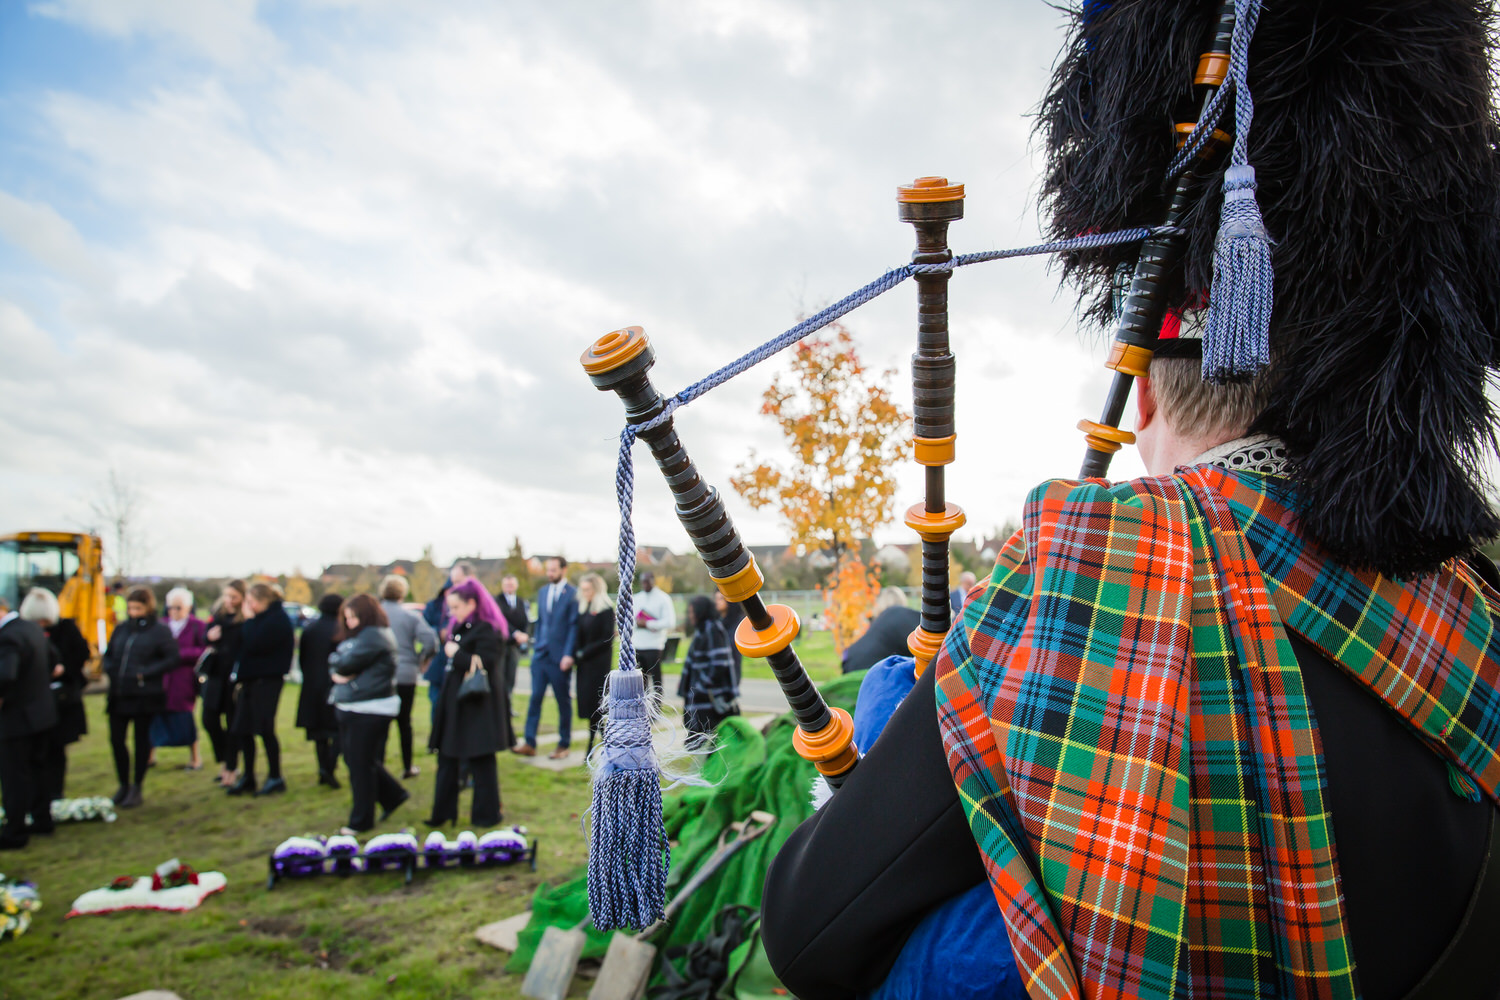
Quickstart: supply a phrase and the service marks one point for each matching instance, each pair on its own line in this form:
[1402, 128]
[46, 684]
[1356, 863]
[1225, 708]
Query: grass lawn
[361, 936]
[814, 649]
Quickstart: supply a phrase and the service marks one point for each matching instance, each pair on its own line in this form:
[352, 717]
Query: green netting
[751, 771]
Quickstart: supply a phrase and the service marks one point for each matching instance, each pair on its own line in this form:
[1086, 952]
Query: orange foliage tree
[847, 437]
[849, 596]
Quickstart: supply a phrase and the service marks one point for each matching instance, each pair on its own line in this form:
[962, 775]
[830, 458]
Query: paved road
[756, 695]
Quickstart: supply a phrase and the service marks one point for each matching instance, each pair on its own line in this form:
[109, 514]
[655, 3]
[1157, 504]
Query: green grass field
[355, 937]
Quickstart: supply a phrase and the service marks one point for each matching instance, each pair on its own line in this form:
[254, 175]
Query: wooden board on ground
[504, 934]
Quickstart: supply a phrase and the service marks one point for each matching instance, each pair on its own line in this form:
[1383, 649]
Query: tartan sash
[1126, 725]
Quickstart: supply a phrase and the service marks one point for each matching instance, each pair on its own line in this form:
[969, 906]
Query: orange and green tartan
[1125, 721]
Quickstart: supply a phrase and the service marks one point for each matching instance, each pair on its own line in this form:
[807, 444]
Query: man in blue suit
[552, 657]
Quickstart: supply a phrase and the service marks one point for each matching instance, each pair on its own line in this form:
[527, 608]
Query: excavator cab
[68, 564]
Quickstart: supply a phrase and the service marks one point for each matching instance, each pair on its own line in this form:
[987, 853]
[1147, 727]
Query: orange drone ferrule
[1129, 359]
[935, 527]
[929, 189]
[831, 749]
[924, 645]
[763, 643]
[613, 349]
[935, 451]
[742, 585]
[1213, 69]
[1102, 437]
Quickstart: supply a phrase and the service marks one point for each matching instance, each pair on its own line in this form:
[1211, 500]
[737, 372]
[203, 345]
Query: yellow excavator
[69, 564]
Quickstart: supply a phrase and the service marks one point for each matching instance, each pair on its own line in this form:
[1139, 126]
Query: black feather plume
[1375, 149]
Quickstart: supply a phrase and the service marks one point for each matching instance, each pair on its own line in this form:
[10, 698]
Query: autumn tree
[850, 597]
[515, 565]
[847, 437]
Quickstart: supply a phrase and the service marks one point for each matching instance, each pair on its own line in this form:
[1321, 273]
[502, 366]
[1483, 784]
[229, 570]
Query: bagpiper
[1232, 729]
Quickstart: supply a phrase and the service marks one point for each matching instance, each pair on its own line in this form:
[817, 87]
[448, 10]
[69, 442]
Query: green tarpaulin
[750, 771]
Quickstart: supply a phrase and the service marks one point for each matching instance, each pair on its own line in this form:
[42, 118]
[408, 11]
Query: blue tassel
[628, 850]
[1237, 339]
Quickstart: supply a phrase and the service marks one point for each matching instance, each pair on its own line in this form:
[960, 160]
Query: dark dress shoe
[245, 786]
[272, 786]
[37, 829]
[120, 794]
[385, 814]
[132, 798]
[436, 823]
[327, 780]
[12, 843]
[524, 750]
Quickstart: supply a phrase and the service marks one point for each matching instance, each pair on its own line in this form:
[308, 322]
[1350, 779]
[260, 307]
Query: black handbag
[475, 685]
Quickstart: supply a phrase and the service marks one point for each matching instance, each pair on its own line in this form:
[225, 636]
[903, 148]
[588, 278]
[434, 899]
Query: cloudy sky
[316, 274]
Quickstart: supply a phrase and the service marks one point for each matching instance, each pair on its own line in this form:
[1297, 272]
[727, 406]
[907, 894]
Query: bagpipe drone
[628, 850]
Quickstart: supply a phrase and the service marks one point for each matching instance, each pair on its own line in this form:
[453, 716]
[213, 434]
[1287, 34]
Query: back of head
[40, 606]
[266, 593]
[1375, 149]
[393, 588]
[329, 604]
[703, 609]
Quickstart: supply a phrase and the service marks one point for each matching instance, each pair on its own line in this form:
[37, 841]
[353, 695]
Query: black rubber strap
[1469, 967]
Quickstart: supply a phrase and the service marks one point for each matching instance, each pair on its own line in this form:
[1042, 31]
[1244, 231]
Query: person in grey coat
[363, 670]
[416, 643]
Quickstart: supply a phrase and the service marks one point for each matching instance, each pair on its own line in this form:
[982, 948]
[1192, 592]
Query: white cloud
[339, 288]
[223, 30]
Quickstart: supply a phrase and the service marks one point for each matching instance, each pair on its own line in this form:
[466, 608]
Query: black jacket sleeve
[10, 665]
[853, 882]
[352, 656]
[165, 653]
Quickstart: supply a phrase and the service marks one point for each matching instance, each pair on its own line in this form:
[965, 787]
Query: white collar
[10, 617]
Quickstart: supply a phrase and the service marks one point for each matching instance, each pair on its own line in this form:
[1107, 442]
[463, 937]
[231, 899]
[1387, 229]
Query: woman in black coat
[315, 715]
[363, 672]
[218, 689]
[140, 653]
[267, 642]
[594, 652]
[67, 654]
[468, 732]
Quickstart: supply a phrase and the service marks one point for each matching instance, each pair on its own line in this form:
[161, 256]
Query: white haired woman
[174, 727]
[68, 653]
[595, 650]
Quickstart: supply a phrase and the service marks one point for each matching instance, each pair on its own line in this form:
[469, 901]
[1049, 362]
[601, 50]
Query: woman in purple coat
[174, 727]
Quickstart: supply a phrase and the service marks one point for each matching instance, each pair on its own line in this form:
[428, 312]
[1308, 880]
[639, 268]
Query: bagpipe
[626, 863]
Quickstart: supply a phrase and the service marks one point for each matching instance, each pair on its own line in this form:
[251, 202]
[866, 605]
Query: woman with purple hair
[470, 728]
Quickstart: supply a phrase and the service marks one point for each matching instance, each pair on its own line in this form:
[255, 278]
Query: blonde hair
[265, 592]
[890, 597]
[394, 588]
[600, 601]
[40, 605]
[1199, 409]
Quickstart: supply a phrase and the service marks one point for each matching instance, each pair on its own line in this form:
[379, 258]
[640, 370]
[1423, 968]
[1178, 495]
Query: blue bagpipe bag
[960, 950]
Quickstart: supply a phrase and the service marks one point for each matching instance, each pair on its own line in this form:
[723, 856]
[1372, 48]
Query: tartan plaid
[1126, 725]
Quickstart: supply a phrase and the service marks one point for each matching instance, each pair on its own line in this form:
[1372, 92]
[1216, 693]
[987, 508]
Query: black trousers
[649, 660]
[117, 726]
[54, 765]
[485, 809]
[363, 738]
[218, 710]
[408, 694]
[21, 786]
[327, 749]
[511, 664]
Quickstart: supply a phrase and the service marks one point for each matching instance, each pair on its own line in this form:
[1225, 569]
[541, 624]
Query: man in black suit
[518, 617]
[27, 711]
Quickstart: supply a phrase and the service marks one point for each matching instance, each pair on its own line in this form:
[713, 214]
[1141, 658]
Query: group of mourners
[360, 660]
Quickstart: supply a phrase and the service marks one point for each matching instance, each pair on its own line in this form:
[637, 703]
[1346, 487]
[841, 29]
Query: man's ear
[1145, 403]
